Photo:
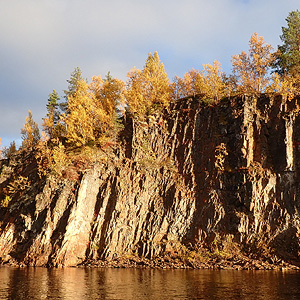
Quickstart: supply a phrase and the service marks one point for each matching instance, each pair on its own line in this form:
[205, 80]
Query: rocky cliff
[196, 182]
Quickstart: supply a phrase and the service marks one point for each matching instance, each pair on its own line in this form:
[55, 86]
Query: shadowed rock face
[196, 177]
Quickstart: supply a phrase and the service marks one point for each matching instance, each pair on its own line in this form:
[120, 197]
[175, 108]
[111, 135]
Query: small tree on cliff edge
[213, 83]
[252, 69]
[52, 118]
[30, 133]
[52, 106]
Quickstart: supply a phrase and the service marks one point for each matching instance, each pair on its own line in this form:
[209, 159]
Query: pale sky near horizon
[42, 41]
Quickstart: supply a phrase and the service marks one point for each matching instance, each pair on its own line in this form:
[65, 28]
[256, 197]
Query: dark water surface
[74, 283]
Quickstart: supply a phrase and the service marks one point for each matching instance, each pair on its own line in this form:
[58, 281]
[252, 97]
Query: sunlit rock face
[198, 176]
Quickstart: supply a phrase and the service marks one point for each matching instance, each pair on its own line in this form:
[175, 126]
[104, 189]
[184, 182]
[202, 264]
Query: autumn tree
[109, 93]
[284, 85]
[192, 83]
[30, 133]
[213, 83]
[252, 69]
[7, 152]
[288, 60]
[230, 82]
[148, 89]
[134, 93]
[209, 82]
[86, 119]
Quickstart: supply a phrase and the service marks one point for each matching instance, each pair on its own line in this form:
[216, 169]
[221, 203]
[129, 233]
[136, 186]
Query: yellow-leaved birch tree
[252, 69]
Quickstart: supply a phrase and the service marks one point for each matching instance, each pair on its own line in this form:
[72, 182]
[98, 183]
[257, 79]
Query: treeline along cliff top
[92, 113]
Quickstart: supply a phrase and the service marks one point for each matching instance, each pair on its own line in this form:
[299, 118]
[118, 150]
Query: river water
[90, 284]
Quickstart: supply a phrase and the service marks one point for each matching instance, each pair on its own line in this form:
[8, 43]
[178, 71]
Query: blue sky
[42, 41]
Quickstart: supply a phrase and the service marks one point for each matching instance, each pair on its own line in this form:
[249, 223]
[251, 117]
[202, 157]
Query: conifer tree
[156, 82]
[148, 89]
[52, 106]
[288, 60]
[75, 79]
[30, 133]
[52, 118]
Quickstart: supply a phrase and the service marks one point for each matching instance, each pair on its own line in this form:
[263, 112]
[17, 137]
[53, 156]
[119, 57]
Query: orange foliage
[252, 69]
[208, 82]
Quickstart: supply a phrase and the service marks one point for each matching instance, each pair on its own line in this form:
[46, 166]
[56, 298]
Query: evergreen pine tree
[75, 78]
[288, 60]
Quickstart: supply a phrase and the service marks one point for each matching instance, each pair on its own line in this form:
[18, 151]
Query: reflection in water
[80, 283]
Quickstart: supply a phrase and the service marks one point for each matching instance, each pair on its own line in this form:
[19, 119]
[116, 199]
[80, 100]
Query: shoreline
[211, 264]
[163, 263]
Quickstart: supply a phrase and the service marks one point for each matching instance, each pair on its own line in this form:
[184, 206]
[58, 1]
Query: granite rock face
[197, 177]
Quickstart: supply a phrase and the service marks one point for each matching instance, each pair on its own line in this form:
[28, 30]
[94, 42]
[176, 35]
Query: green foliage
[288, 60]
[93, 114]
[75, 79]
[51, 121]
[52, 106]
